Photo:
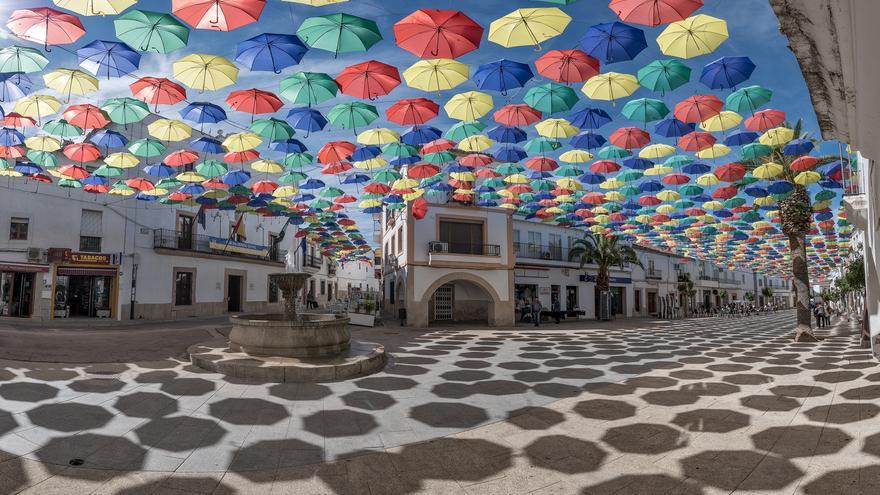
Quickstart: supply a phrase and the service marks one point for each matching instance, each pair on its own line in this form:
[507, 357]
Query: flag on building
[239, 230]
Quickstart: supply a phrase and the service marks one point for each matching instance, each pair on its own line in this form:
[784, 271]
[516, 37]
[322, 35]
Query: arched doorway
[460, 301]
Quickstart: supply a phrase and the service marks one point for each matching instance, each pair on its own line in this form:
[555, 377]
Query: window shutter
[91, 224]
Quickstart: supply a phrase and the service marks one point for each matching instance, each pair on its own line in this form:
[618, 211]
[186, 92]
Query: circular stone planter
[310, 335]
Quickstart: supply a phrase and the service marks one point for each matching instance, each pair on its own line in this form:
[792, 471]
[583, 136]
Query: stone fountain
[289, 346]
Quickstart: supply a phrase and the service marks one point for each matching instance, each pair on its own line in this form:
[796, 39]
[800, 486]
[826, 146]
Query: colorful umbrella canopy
[339, 33]
[613, 42]
[664, 75]
[412, 111]
[436, 74]
[567, 66]
[308, 88]
[429, 33]
[727, 72]
[502, 76]
[95, 7]
[694, 36]
[370, 79]
[654, 12]
[222, 15]
[610, 86]
[205, 72]
[108, 58]
[254, 101]
[158, 91]
[270, 52]
[70, 82]
[145, 30]
[528, 27]
[46, 26]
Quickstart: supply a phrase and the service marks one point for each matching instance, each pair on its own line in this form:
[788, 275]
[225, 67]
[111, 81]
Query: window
[463, 237]
[323, 287]
[185, 231]
[18, 229]
[554, 243]
[400, 241]
[273, 247]
[183, 288]
[89, 244]
[391, 292]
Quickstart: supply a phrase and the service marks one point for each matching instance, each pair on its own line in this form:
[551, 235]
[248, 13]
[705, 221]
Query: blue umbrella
[306, 119]
[235, 177]
[94, 180]
[502, 75]
[28, 168]
[302, 198]
[356, 179]
[637, 163]
[404, 160]
[672, 127]
[372, 209]
[506, 134]
[739, 138]
[206, 145]
[651, 186]
[420, 134]
[588, 140]
[312, 184]
[108, 58]
[757, 192]
[290, 145]
[696, 168]
[14, 85]
[363, 153]
[206, 201]
[613, 41]
[510, 154]
[589, 118]
[591, 178]
[142, 196]
[108, 139]
[203, 113]
[797, 147]
[727, 72]
[270, 52]
[193, 189]
[10, 137]
[159, 170]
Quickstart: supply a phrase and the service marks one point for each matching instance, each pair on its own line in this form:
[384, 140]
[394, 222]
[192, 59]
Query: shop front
[85, 285]
[17, 286]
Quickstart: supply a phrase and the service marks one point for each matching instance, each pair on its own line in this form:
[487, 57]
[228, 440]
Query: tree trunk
[798, 252]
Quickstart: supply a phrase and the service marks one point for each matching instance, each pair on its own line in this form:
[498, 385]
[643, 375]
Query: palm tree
[796, 218]
[605, 251]
[767, 292]
[686, 287]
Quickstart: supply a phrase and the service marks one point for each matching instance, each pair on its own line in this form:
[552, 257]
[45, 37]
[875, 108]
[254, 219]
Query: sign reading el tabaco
[70, 257]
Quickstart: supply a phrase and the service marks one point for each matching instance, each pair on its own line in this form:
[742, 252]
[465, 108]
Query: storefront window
[183, 286]
[16, 294]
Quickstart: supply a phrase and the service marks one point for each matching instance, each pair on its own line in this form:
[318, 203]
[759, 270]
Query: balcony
[172, 240]
[312, 261]
[536, 252]
[439, 247]
[331, 269]
[653, 274]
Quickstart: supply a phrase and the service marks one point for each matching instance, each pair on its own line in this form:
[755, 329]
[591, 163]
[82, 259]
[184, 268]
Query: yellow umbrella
[475, 144]
[556, 128]
[379, 136]
[121, 160]
[205, 72]
[694, 36]
[610, 86]
[777, 136]
[614, 196]
[156, 191]
[371, 164]
[95, 7]
[242, 141]
[658, 169]
[721, 122]
[516, 179]
[285, 191]
[668, 195]
[567, 183]
[468, 106]
[37, 106]
[666, 209]
[463, 176]
[612, 183]
[404, 183]
[43, 143]
[436, 74]
[707, 180]
[267, 166]
[643, 219]
[599, 210]
[71, 82]
[215, 194]
[508, 206]
[504, 193]
[655, 151]
[807, 177]
[191, 177]
[417, 193]
[597, 229]
[768, 170]
[525, 27]
[821, 205]
[715, 151]
[576, 156]
[122, 192]
[712, 205]
[765, 201]
[601, 218]
[169, 130]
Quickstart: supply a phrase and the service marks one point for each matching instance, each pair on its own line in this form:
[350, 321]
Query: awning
[22, 267]
[96, 272]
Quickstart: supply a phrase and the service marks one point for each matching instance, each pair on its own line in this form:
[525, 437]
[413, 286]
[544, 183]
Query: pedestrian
[556, 309]
[536, 311]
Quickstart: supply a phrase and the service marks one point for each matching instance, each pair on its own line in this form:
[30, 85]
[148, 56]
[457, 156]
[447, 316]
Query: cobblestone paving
[692, 407]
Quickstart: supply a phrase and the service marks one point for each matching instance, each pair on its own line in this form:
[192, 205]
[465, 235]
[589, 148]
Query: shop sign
[78, 258]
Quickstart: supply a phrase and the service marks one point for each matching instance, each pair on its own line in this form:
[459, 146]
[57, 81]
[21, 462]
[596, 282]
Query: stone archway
[474, 299]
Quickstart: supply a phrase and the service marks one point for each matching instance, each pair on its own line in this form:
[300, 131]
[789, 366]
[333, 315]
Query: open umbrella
[108, 58]
[339, 33]
[550, 98]
[502, 75]
[19, 59]
[203, 113]
[664, 75]
[223, 15]
[694, 36]
[205, 72]
[95, 7]
[411, 111]
[254, 101]
[613, 42]
[698, 108]
[468, 106]
[46, 26]
[610, 86]
[145, 30]
[37, 106]
[125, 110]
[352, 115]
[517, 115]
[644, 110]
[654, 12]
[436, 74]
[308, 88]
[71, 82]
[727, 72]
[567, 66]
[306, 119]
[270, 52]
[86, 116]
[430, 33]
[157, 90]
[370, 79]
[528, 27]
[748, 99]
[764, 120]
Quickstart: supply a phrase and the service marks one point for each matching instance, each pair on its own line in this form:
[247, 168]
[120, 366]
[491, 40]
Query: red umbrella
[240, 156]
[40, 178]
[476, 160]
[696, 141]
[73, 171]
[254, 101]
[377, 188]
[412, 111]
[487, 173]
[542, 164]
[158, 90]
[630, 137]
[725, 192]
[140, 184]
[430, 33]
[224, 15]
[520, 188]
[731, 172]
[264, 186]
[567, 66]
[604, 167]
[695, 212]
[422, 171]
[419, 208]
[86, 115]
[654, 12]
[675, 179]
[13, 119]
[516, 115]
[345, 198]
[335, 151]
[96, 188]
[698, 108]
[803, 163]
[593, 198]
[215, 183]
[436, 145]
[11, 151]
[180, 158]
[459, 184]
[179, 196]
[335, 168]
[764, 120]
[82, 152]
[649, 200]
[370, 79]
[46, 26]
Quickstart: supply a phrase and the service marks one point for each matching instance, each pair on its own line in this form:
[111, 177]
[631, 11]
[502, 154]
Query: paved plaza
[699, 406]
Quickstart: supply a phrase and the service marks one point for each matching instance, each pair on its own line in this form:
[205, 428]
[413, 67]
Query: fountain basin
[309, 335]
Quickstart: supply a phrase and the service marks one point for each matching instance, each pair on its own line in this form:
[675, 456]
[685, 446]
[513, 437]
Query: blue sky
[753, 32]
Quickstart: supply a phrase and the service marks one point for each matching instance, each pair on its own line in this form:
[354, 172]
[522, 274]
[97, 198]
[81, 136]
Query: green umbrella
[292, 177]
[825, 195]
[509, 168]
[308, 88]
[489, 196]
[746, 180]
[168, 183]
[541, 145]
[750, 216]
[298, 160]
[145, 31]
[542, 185]
[495, 182]
[239, 189]
[462, 130]
[568, 171]
[125, 110]
[273, 129]
[211, 168]
[611, 152]
[664, 75]
[645, 110]
[612, 206]
[169, 201]
[44, 158]
[678, 161]
[630, 175]
[755, 151]
[683, 204]
[551, 98]
[331, 192]
[71, 183]
[374, 195]
[16, 58]
[734, 202]
[339, 33]
[439, 157]
[108, 171]
[62, 128]
[147, 148]
[629, 191]
[321, 203]
[748, 99]
[386, 176]
[352, 115]
[691, 190]
[399, 149]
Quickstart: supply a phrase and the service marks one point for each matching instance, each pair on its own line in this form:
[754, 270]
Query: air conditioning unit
[438, 247]
[36, 255]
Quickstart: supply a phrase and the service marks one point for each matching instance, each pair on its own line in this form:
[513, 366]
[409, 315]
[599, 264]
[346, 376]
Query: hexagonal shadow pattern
[801, 440]
[565, 454]
[712, 420]
[605, 409]
[740, 470]
[645, 438]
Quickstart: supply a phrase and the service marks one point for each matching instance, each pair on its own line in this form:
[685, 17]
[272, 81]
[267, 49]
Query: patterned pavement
[632, 407]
